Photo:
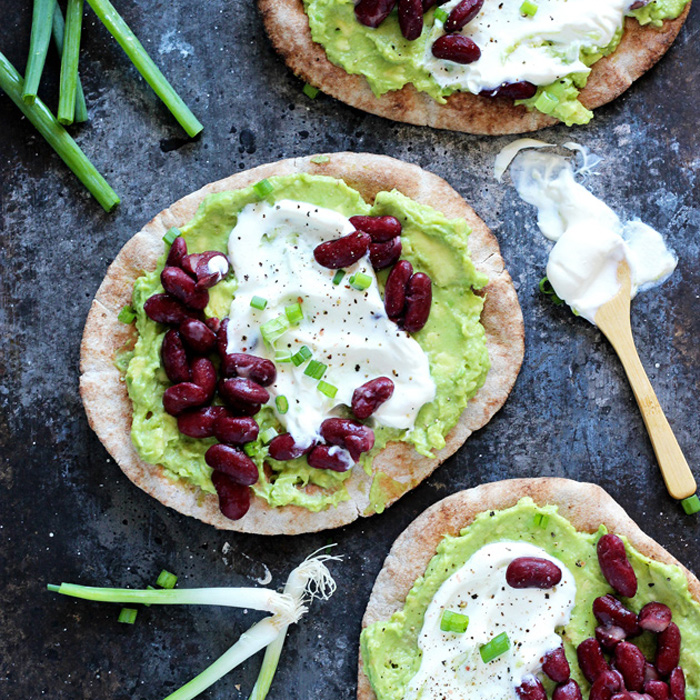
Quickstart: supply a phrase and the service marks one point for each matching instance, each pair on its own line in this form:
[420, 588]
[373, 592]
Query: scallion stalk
[58, 138]
[120, 30]
[68, 85]
[42, 17]
[58, 30]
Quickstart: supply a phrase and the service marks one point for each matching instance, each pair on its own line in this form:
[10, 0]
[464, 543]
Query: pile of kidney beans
[628, 675]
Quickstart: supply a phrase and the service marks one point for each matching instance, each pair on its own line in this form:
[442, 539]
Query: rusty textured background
[68, 513]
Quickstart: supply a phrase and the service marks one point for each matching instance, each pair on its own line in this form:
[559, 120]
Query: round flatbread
[288, 28]
[584, 505]
[108, 406]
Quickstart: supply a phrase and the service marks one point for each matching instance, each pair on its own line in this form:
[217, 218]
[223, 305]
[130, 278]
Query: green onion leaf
[360, 281]
[268, 435]
[301, 356]
[42, 18]
[53, 587]
[320, 160]
[263, 188]
[150, 588]
[454, 622]
[126, 315]
[441, 15]
[282, 404]
[166, 579]
[528, 8]
[258, 303]
[691, 505]
[58, 30]
[274, 329]
[251, 448]
[310, 91]
[294, 313]
[170, 235]
[68, 83]
[497, 646]
[328, 389]
[128, 615]
[338, 277]
[315, 369]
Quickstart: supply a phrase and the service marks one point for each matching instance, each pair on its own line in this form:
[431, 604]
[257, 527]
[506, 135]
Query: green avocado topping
[453, 339]
[389, 649]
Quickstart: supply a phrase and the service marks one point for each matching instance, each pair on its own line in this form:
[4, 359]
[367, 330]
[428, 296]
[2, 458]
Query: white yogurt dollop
[271, 250]
[591, 240]
[451, 665]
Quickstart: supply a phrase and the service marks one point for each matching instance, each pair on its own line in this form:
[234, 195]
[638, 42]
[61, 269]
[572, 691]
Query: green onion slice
[328, 389]
[258, 303]
[171, 235]
[282, 404]
[541, 520]
[360, 281]
[263, 188]
[493, 649]
[283, 356]
[268, 435]
[294, 313]
[338, 276]
[441, 15]
[128, 615]
[315, 369]
[301, 356]
[126, 315]
[274, 329]
[310, 91]
[691, 505]
[320, 160]
[251, 448]
[166, 579]
[454, 622]
[528, 8]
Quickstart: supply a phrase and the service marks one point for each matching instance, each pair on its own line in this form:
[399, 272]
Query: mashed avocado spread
[389, 651]
[389, 62]
[453, 339]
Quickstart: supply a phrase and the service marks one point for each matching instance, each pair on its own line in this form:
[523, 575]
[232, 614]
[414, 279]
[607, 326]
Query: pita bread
[586, 506]
[288, 28]
[108, 406]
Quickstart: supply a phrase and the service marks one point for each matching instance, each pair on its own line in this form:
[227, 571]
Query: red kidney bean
[556, 665]
[657, 689]
[199, 422]
[197, 336]
[233, 430]
[162, 308]
[204, 375]
[234, 499]
[174, 358]
[395, 289]
[411, 18]
[180, 397]
[629, 661]
[531, 689]
[655, 617]
[532, 572]
[463, 13]
[241, 364]
[380, 228]
[615, 565]
[330, 457]
[623, 695]
[222, 339]
[650, 672]
[676, 683]
[427, 4]
[354, 437]
[283, 448]
[213, 324]
[366, 399]
[522, 90]
[668, 649]
[419, 296]
[610, 637]
[372, 13]
[177, 251]
[638, 4]
[241, 392]
[456, 48]
[605, 685]
[634, 695]
[198, 264]
[610, 612]
[591, 659]
[567, 691]
[383, 255]
[177, 282]
[232, 461]
[341, 252]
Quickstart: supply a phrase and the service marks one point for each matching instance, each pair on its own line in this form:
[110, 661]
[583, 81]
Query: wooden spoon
[613, 318]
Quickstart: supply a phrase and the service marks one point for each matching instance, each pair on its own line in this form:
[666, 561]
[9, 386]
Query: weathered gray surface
[69, 514]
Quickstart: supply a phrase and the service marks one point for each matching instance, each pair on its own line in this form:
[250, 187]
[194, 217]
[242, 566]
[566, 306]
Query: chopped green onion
[546, 288]
[497, 646]
[171, 235]
[441, 15]
[360, 281]
[315, 369]
[294, 313]
[310, 91]
[68, 83]
[58, 30]
[263, 188]
[529, 9]
[119, 29]
[166, 579]
[268, 435]
[42, 18]
[691, 505]
[546, 102]
[301, 356]
[454, 622]
[126, 315]
[274, 329]
[283, 356]
[282, 404]
[128, 615]
[541, 520]
[251, 448]
[338, 276]
[258, 303]
[150, 588]
[328, 389]
[57, 137]
[320, 160]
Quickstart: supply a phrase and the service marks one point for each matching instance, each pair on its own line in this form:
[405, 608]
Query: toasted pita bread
[109, 409]
[584, 505]
[288, 27]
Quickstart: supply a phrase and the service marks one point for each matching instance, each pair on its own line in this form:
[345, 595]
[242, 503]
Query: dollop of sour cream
[271, 250]
[591, 240]
[451, 665]
[539, 49]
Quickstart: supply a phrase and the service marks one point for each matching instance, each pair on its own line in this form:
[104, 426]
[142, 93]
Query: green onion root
[68, 85]
[38, 47]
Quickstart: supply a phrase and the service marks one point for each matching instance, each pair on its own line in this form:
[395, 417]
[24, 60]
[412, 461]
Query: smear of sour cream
[451, 665]
[591, 240]
[271, 249]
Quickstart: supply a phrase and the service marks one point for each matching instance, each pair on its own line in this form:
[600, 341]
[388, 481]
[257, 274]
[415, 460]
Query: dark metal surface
[68, 513]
